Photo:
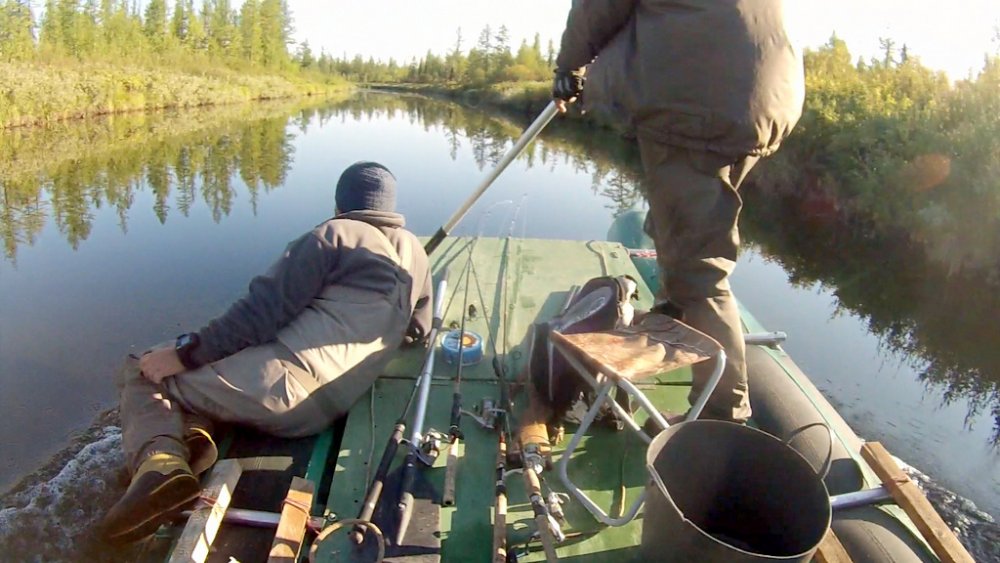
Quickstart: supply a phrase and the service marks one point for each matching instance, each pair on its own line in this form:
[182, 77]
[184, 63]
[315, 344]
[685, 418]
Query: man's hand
[567, 87]
[159, 364]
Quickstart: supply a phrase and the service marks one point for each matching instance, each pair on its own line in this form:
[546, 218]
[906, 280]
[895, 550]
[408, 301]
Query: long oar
[378, 481]
[529, 135]
[405, 506]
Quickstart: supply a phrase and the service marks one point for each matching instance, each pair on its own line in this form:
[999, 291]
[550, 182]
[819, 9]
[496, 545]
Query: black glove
[568, 84]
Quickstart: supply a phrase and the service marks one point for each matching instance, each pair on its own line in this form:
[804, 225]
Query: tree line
[888, 146]
[258, 34]
[490, 60]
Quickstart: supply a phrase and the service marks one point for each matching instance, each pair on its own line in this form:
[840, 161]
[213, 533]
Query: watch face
[184, 340]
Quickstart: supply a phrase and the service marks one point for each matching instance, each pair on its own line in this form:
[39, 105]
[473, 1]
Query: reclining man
[289, 358]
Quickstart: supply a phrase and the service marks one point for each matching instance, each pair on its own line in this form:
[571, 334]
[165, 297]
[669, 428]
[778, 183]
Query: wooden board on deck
[292, 526]
[906, 493]
[201, 528]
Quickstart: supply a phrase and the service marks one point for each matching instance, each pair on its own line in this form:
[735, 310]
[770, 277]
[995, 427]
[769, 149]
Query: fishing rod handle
[454, 431]
[529, 135]
[375, 488]
[500, 508]
[405, 506]
[390, 449]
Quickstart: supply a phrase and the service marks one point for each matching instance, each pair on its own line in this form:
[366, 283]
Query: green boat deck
[608, 465]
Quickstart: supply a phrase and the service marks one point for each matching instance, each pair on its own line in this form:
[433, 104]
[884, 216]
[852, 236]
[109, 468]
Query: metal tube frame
[603, 389]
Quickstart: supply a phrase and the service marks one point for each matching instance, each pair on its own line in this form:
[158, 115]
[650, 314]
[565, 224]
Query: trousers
[268, 387]
[694, 208]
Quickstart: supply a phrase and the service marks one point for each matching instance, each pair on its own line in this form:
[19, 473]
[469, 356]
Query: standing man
[289, 358]
[710, 87]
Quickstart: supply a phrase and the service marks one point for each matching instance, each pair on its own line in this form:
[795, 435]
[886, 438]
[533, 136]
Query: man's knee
[129, 370]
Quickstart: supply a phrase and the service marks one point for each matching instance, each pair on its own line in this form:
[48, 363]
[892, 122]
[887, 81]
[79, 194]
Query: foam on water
[50, 516]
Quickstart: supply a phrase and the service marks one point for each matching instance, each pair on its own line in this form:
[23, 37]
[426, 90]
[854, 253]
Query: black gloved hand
[568, 84]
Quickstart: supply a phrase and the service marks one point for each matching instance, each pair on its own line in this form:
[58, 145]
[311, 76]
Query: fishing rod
[529, 135]
[548, 528]
[405, 506]
[378, 481]
[454, 429]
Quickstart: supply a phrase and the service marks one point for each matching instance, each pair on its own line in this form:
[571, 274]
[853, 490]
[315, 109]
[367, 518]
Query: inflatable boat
[447, 459]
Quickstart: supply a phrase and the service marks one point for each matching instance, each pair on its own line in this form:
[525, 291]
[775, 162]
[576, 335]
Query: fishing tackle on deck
[470, 348]
[405, 506]
[378, 481]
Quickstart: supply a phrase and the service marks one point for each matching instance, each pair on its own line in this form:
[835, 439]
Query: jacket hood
[375, 218]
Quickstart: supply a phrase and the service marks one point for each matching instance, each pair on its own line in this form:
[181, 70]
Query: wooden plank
[294, 518]
[908, 496]
[831, 550]
[201, 528]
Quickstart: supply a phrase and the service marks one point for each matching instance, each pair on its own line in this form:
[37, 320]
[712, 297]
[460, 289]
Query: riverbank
[523, 98]
[40, 94]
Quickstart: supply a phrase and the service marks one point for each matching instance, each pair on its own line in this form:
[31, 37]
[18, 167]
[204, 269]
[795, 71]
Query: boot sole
[167, 498]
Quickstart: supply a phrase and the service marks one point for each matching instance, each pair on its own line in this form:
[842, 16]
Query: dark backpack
[602, 303]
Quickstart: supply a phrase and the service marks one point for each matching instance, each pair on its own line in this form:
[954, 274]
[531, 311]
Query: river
[125, 231]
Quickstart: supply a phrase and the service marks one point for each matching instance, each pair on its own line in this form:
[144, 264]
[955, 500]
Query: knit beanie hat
[366, 185]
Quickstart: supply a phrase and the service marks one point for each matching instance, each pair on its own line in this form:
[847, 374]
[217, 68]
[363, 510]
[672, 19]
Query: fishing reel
[486, 414]
[429, 448]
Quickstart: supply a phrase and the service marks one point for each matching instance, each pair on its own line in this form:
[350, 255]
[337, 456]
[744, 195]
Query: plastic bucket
[726, 492]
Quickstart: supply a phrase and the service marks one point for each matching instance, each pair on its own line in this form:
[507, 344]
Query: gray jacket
[716, 75]
[360, 250]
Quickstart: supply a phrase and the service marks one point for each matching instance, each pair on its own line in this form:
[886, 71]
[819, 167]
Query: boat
[512, 284]
[489, 474]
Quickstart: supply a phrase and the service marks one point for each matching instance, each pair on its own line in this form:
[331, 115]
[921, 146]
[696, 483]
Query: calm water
[125, 232]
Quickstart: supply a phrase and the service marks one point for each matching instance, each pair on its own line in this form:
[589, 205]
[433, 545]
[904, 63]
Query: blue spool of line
[472, 353]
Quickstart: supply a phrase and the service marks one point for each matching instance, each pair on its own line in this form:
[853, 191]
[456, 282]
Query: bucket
[725, 492]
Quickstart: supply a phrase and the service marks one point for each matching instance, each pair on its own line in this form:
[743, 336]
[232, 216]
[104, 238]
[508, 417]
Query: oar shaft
[529, 135]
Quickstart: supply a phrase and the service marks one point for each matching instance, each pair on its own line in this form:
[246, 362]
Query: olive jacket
[715, 75]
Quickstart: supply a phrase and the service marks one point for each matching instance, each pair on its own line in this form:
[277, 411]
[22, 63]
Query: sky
[950, 36]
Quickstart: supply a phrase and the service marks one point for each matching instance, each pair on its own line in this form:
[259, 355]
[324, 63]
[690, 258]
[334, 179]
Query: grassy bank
[34, 94]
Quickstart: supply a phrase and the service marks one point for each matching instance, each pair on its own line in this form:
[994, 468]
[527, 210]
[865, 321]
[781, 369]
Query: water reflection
[942, 323]
[67, 171]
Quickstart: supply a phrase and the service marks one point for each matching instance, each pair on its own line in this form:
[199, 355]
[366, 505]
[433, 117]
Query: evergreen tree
[251, 31]
[223, 36]
[197, 40]
[51, 37]
[180, 24]
[455, 60]
[17, 39]
[502, 58]
[305, 55]
[274, 33]
[155, 24]
[888, 47]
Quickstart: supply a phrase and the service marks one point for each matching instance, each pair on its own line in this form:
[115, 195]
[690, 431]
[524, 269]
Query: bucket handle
[828, 463]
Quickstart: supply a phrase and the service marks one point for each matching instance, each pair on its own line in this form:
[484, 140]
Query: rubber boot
[202, 448]
[162, 484]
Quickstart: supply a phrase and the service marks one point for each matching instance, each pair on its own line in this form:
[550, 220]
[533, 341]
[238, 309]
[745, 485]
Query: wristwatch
[186, 343]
